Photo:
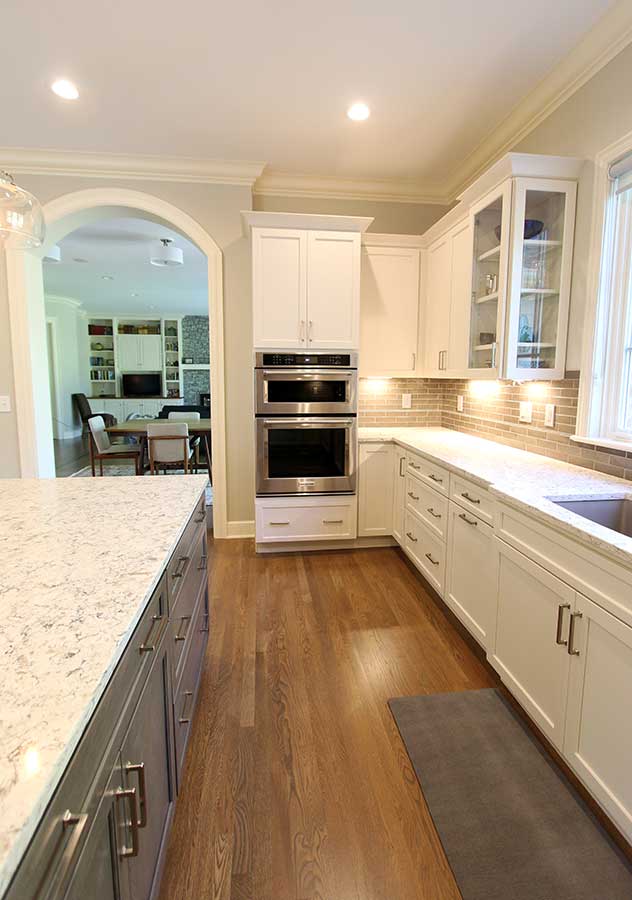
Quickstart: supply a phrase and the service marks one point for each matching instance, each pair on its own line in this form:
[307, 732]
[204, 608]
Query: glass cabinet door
[490, 229]
[542, 246]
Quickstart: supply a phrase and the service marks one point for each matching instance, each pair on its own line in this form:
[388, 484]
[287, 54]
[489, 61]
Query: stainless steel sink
[614, 514]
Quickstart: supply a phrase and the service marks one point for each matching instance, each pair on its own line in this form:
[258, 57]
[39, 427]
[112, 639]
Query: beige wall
[390, 218]
[9, 450]
[596, 116]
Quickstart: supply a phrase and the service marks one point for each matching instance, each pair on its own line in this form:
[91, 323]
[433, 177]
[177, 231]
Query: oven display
[306, 359]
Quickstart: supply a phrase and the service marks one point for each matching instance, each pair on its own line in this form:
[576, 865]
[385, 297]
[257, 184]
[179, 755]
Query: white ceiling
[272, 81]
[121, 248]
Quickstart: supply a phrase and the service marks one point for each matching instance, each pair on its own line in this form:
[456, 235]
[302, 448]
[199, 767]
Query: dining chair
[168, 446]
[101, 447]
[82, 405]
[194, 442]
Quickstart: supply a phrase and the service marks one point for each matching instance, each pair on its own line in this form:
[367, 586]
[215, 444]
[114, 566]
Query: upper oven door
[305, 392]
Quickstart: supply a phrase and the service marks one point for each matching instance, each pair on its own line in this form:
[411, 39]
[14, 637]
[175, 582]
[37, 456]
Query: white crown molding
[610, 36]
[259, 219]
[333, 187]
[64, 301]
[21, 161]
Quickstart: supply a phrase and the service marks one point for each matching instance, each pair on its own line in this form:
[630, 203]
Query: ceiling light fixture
[53, 254]
[358, 112]
[21, 217]
[166, 255]
[65, 89]
[107, 277]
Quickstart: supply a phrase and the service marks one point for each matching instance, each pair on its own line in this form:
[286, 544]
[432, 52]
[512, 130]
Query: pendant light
[53, 255]
[21, 217]
[166, 255]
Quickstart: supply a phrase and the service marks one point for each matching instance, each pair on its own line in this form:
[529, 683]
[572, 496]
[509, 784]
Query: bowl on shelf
[532, 228]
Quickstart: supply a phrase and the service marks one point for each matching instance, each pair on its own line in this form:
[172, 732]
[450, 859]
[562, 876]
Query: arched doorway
[28, 324]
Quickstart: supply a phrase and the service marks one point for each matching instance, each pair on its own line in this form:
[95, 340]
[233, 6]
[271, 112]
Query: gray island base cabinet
[105, 831]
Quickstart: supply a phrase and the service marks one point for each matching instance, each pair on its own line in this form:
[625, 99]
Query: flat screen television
[142, 384]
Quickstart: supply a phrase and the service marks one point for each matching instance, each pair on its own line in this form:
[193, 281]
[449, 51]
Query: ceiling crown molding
[333, 187]
[611, 35]
[21, 161]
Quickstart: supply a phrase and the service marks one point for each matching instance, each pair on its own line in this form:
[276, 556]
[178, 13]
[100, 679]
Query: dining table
[138, 428]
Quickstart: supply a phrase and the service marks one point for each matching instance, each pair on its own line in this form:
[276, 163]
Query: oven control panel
[307, 359]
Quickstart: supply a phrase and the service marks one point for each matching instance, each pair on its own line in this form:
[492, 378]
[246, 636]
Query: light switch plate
[549, 415]
[407, 401]
[526, 411]
[459, 403]
[5, 404]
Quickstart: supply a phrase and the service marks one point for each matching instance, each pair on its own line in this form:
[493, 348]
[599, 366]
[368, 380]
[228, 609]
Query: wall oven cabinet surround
[305, 280]
[285, 520]
[302, 384]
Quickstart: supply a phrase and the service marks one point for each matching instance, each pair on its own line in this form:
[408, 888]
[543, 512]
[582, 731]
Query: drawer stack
[426, 518]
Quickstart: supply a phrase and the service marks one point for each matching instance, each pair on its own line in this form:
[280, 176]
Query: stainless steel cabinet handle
[332, 521]
[571, 634]
[301, 332]
[200, 516]
[278, 523]
[435, 478]
[414, 361]
[72, 827]
[560, 622]
[470, 498]
[205, 625]
[469, 521]
[402, 459]
[179, 569]
[182, 635]
[433, 513]
[413, 496]
[139, 769]
[148, 646]
[414, 466]
[129, 796]
[494, 346]
[411, 536]
[435, 562]
[311, 331]
[203, 562]
[184, 718]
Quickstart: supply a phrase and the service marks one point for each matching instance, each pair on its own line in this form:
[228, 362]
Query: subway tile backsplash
[492, 411]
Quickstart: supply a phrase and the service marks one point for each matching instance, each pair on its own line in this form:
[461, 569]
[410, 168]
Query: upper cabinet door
[541, 259]
[389, 310]
[490, 220]
[279, 281]
[333, 290]
[150, 352]
[436, 314]
[460, 295]
[128, 352]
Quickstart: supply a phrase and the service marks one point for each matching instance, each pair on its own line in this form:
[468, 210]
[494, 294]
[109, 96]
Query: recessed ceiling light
[65, 89]
[134, 294]
[107, 277]
[359, 112]
[79, 259]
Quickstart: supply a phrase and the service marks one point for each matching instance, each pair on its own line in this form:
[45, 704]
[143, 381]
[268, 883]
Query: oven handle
[310, 422]
[311, 374]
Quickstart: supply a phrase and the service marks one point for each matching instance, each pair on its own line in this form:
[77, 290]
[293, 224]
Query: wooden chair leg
[92, 456]
[101, 467]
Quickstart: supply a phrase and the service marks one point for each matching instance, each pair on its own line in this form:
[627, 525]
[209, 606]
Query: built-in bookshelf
[102, 356]
[172, 338]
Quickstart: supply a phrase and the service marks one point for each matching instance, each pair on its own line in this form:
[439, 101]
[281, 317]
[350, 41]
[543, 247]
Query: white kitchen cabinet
[147, 408]
[598, 738]
[375, 490]
[127, 352]
[306, 289]
[399, 494]
[427, 551]
[470, 590]
[529, 651]
[436, 310]
[139, 352]
[289, 519]
[460, 293]
[389, 307]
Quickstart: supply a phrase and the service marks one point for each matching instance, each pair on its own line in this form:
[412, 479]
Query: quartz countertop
[527, 481]
[80, 560]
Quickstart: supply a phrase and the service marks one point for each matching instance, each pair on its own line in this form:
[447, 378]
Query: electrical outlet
[526, 411]
[5, 404]
[549, 415]
[407, 401]
[459, 403]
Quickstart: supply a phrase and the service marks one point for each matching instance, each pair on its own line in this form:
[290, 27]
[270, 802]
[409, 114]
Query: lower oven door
[306, 455]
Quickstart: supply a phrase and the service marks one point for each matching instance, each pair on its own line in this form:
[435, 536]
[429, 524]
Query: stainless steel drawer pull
[433, 513]
[200, 516]
[139, 769]
[571, 634]
[411, 536]
[402, 459]
[179, 569]
[333, 521]
[469, 521]
[205, 625]
[414, 466]
[184, 718]
[203, 562]
[560, 623]
[435, 562]
[470, 499]
[181, 634]
[148, 646]
[435, 478]
[278, 523]
[413, 496]
[72, 826]
[129, 796]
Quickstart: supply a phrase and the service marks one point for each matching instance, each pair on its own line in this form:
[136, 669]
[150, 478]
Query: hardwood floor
[297, 785]
[71, 455]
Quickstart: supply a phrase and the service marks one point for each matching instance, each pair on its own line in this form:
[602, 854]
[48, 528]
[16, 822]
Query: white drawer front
[428, 472]
[428, 504]
[426, 551]
[471, 496]
[304, 521]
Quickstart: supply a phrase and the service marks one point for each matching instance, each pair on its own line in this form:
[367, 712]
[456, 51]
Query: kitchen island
[86, 566]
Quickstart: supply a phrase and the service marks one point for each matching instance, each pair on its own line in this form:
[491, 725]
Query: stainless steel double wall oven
[305, 413]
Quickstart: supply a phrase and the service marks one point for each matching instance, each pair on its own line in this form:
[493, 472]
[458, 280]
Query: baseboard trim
[236, 529]
[363, 543]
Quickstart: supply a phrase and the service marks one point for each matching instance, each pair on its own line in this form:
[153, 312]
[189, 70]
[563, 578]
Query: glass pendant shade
[21, 217]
